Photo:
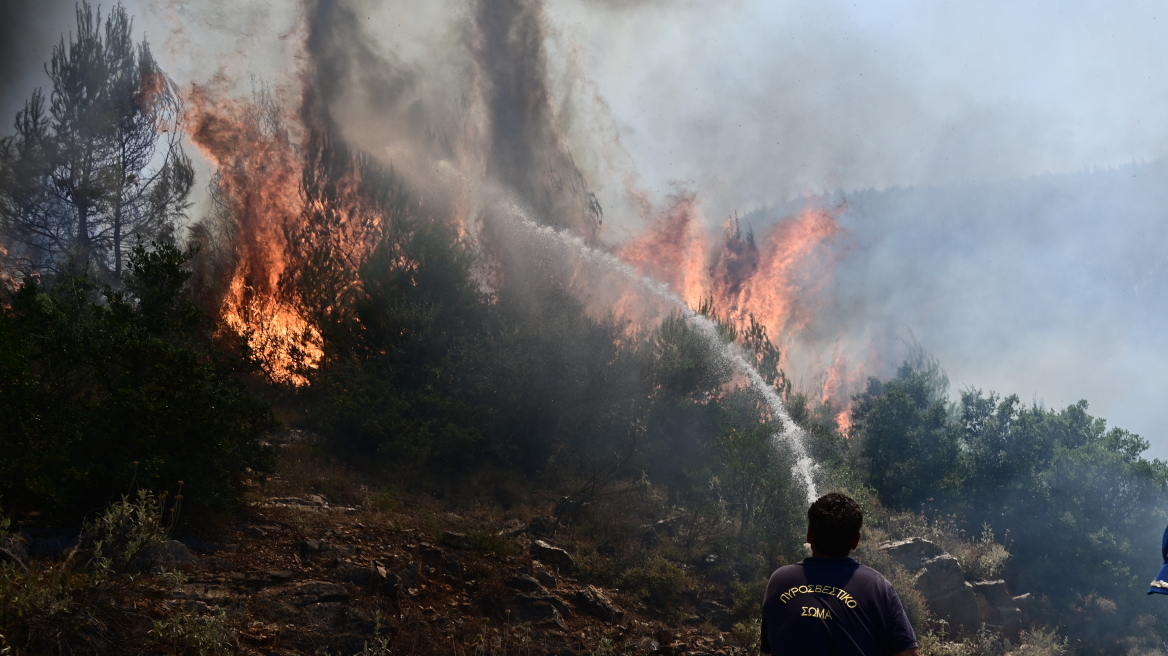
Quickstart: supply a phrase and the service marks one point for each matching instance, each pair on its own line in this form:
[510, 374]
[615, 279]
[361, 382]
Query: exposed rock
[912, 553]
[170, 555]
[430, 554]
[356, 574]
[315, 546]
[312, 592]
[254, 532]
[532, 608]
[1012, 621]
[940, 576]
[995, 593]
[987, 613]
[452, 566]
[594, 602]
[457, 540]
[308, 502]
[959, 607]
[546, 553]
[407, 577]
[524, 582]
[544, 577]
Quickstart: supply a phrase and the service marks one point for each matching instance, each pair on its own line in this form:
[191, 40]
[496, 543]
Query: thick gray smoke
[466, 89]
[1049, 287]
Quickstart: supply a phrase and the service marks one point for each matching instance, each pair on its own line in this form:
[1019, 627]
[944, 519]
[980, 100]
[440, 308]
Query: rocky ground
[300, 575]
[297, 572]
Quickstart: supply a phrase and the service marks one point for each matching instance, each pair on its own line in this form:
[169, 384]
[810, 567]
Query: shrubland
[636, 446]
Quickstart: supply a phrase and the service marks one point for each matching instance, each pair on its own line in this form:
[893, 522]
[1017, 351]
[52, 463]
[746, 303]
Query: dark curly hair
[834, 519]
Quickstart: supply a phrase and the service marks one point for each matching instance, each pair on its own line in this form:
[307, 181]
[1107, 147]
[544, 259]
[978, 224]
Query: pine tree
[98, 165]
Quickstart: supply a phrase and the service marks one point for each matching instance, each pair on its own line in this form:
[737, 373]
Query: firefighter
[1160, 583]
[829, 603]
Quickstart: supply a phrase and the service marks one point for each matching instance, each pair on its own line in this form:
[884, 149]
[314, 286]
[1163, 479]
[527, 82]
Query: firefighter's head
[833, 525]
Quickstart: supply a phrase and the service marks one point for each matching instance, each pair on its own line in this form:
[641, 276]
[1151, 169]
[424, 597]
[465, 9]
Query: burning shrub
[99, 390]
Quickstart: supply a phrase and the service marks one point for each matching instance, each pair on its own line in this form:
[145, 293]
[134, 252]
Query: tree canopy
[98, 164]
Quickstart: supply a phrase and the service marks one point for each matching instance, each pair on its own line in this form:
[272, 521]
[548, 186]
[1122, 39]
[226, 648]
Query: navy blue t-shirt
[833, 606]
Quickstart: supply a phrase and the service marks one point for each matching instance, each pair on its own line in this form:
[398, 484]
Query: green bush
[660, 583]
[1040, 642]
[192, 634]
[102, 390]
[128, 529]
[72, 604]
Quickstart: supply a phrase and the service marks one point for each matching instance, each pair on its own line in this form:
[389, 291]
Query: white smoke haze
[986, 152]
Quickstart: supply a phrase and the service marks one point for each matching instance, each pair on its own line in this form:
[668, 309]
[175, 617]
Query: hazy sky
[752, 104]
[785, 98]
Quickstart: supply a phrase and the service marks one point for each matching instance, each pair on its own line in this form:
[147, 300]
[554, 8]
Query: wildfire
[839, 380]
[291, 209]
[673, 251]
[777, 280]
[257, 187]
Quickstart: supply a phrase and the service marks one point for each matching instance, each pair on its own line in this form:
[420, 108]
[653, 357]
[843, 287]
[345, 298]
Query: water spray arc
[790, 433]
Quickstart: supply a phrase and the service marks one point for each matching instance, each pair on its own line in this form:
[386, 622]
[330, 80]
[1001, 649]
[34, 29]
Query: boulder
[430, 554]
[1011, 622]
[1026, 604]
[313, 592]
[526, 608]
[407, 577]
[170, 555]
[591, 600]
[457, 540]
[940, 576]
[912, 553]
[986, 612]
[357, 574]
[524, 582]
[313, 546]
[545, 579]
[544, 552]
[960, 608]
[995, 593]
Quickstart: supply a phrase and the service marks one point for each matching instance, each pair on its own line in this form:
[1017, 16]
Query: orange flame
[778, 280]
[674, 250]
[258, 185]
[782, 291]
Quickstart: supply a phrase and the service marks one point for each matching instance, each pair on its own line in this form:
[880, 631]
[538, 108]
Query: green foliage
[660, 583]
[65, 606]
[127, 529]
[192, 634]
[1082, 509]
[756, 481]
[1042, 642]
[987, 558]
[908, 448]
[747, 599]
[100, 391]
